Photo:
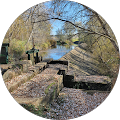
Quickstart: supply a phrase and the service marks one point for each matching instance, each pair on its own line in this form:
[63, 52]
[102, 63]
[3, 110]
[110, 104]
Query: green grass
[47, 89]
[2, 55]
[73, 40]
[40, 110]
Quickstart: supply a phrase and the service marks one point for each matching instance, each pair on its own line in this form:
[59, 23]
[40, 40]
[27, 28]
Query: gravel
[72, 103]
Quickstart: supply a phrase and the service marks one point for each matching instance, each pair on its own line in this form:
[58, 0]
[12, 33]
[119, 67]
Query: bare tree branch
[87, 30]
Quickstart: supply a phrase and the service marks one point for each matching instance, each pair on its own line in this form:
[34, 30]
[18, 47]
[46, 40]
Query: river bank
[82, 62]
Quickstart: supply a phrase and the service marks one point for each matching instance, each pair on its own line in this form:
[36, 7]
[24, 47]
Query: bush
[44, 46]
[40, 110]
[17, 48]
[53, 42]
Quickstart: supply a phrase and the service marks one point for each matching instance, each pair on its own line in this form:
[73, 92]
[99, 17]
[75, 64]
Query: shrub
[53, 42]
[44, 46]
[17, 48]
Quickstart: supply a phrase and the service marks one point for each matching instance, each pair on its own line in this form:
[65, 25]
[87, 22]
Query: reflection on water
[56, 53]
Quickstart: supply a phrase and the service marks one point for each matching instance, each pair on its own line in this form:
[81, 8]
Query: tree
[26, 33]
[69, 30]
[78, 20]
[60, 36]
[71, 12]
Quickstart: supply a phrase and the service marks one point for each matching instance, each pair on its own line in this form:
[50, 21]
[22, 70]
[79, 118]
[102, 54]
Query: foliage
[60, 35]
[47, 89]
[35, 25]
[103, 49]
[105, 53]
[17, 30]
[52, 42]
[38, 111]
[74, 39]
[44, 46]
[23, 33]
[69, 30]
[17, 47]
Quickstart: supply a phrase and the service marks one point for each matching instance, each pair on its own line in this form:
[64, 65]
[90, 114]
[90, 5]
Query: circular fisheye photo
[59, 59]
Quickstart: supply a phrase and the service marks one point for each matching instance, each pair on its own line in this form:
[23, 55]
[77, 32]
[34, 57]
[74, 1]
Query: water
[58, 52]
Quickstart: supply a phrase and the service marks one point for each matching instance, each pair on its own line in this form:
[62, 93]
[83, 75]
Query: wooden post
[37, 57]
[41, 58]
[28, 56]
[33, 60]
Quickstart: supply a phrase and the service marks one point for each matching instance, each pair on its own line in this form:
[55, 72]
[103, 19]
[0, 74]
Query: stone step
[48, 60]
[33, 70]
[11, 73]
[101, 83]
[41, 89]
[18, 81]
[5, 67]
[93, 79]
[39, 67]
[61, 67]
[50, 71]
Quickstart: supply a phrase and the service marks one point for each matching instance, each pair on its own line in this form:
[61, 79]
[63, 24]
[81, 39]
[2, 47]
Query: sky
[69, 11]
[56, 25]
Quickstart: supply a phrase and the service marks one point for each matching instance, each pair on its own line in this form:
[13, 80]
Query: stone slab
[42, 65]
[14, 83]
[93, 79]
[48, 60]
[25, 64]
[39, 90]
[50, 71]
[64, 62]
[36, 70]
